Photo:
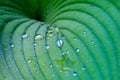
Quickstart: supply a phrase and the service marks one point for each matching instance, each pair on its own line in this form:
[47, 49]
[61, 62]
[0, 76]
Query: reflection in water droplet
[77, 50]
[59, 43]
[74, 73]
[24, 36]
[6, 78]
[38, 37]
[83, 68]
[29, 61]
[47, 47]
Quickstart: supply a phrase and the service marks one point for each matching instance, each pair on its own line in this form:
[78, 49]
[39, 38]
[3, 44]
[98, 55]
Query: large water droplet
[47, 47]
[77, 50]
[24, 36]
[59, 43]
[74, 73]
[38, 37]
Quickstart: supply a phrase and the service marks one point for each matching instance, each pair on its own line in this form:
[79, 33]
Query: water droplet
[12, 45]
[50, 33]
[53, 75]
[60, 70]
[74, 73]
[83, 68]
[34, 44]
[92, 42]
[51, 66]
[47, 47]
[77, 50]
[63, 37]
[67, 51]
[5, 49]
[38, 37]
[57, 29]
[84, 33]
[29, 61]
[59, 43]
[24, 36]
[75, 38]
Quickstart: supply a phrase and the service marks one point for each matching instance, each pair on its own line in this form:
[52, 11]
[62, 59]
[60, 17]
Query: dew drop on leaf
[38, 37]
[83, 68]
[59, 43]
[51, 66]
[47, 47]
[92, 42]
[24, 36]
[60, 70]
[77, 50]
[12, 45]
[34, 44]
[84, 33]
[29, 61]
[74, 73]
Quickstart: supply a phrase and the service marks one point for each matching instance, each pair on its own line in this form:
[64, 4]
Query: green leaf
[59, 40]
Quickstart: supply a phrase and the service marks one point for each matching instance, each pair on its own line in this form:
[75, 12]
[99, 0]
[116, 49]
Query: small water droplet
[59, 43]
[38, 37]
[12, 45]
[57, 29]
[47, 47]
[24, 36]
[51, 66]
[34, 44]
[63, 37]
[74, 73]
[67, 51]
[6, 78]
[83, 68]
[29, 61]
[75, 38]
[92, 42]
[77, 50]
[50, 33]
[84, 33]
[53, 75]
[60, 70]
